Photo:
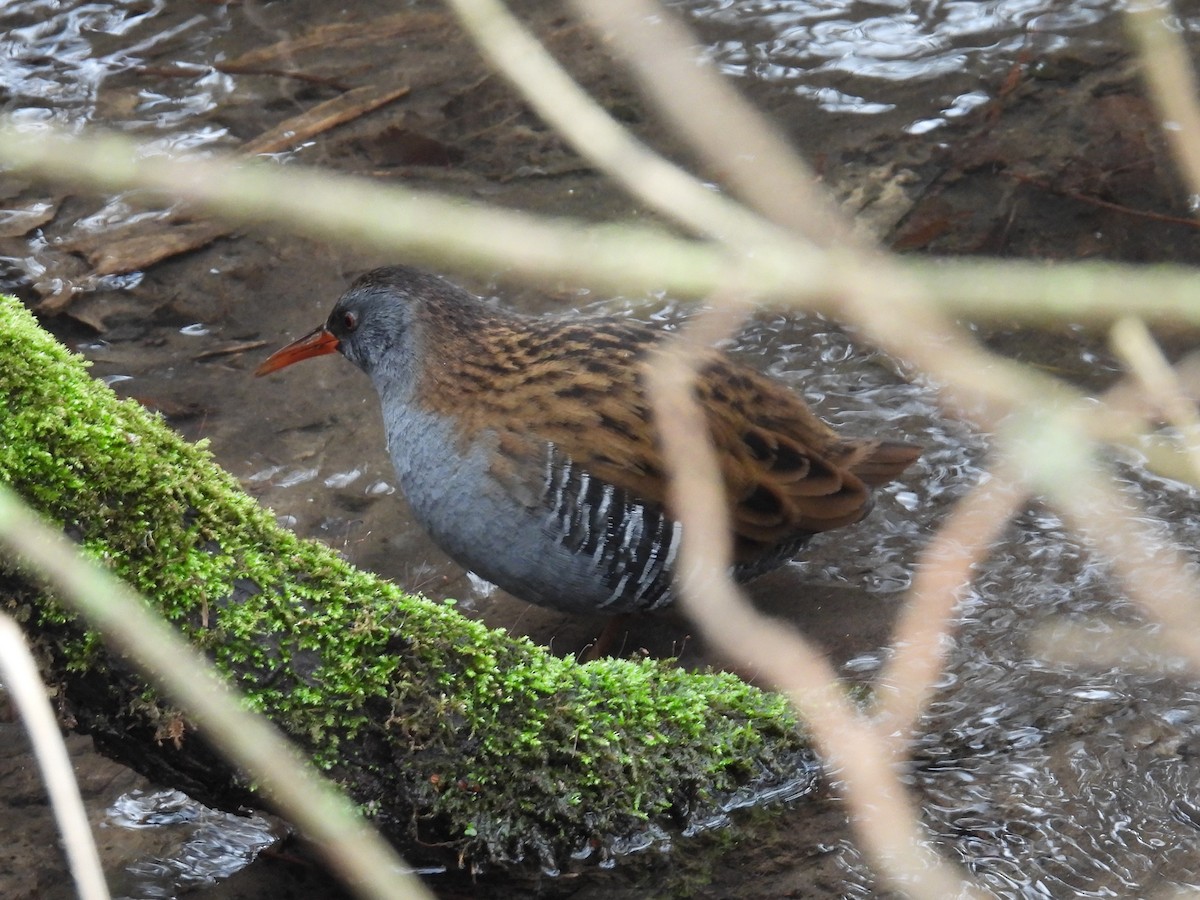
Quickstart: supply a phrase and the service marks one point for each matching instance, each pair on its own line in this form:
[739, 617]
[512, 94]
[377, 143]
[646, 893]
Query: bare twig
[944, 571]
[633, 258]
[1092, 291]
[427, 227]
[324, 116]
[1168, 71]
[20, 676]
[1142, 355]
[596, 136]
[739, 146]
[340, 35]
[882, 810]
[229, 350]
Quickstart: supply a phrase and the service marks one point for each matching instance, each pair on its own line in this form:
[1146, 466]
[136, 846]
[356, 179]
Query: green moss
[342, 659]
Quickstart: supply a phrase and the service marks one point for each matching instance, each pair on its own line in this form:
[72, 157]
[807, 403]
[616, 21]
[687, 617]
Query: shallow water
[1042, 777]
[213, 845]
[864, 57]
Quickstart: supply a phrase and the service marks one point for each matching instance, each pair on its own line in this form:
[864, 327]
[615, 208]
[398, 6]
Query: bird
[526, 447]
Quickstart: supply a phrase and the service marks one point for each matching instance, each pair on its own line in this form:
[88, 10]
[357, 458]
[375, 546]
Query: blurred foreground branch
[884, 812]
[905, 305]
[23, 683]
[624, 257]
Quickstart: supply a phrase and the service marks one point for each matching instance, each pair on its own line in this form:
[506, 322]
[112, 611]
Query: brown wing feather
[787, 474]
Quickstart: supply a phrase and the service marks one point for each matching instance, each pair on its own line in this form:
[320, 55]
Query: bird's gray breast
[549, 532]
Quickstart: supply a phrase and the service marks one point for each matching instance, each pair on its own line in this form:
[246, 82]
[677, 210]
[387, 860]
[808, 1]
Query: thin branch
[1141, 354]
[1168, 71]
[20, 676]
[734, 140]
[882, 810]
[594, 134]
[627, 257]
[425, 226]
[945, 569]
[1040, 292]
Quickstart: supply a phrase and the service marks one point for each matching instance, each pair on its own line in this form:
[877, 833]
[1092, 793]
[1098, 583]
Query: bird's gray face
[376, 315]
[368, 321]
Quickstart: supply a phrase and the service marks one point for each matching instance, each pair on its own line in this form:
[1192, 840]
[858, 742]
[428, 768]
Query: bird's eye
[349, 320]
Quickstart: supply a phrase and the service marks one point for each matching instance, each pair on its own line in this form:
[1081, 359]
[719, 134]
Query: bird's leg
[604, 641]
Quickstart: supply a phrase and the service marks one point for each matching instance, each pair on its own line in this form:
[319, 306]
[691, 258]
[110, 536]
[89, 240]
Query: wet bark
[461, 742]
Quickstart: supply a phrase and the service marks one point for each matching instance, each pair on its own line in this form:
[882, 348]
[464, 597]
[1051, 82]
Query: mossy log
[447, 733]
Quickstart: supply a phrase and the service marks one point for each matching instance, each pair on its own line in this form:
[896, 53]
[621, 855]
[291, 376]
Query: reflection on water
[57, 58]
[212, 845]
[1049, 779]
[844, 55]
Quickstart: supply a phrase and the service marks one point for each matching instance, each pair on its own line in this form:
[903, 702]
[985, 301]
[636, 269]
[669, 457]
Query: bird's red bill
[317, 342]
